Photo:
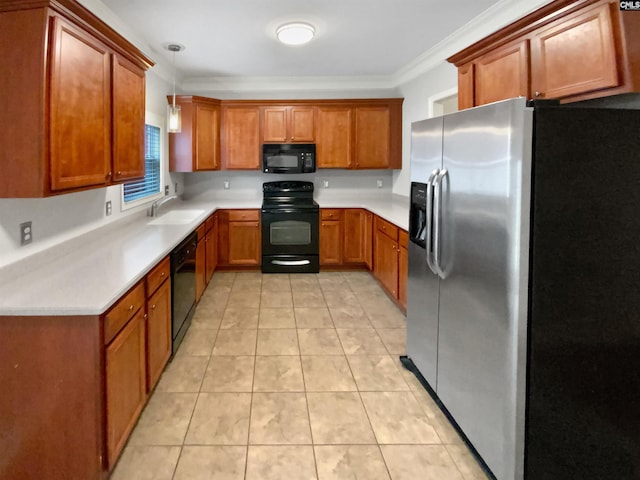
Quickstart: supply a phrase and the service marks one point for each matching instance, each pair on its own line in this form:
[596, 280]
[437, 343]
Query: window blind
[150, 184]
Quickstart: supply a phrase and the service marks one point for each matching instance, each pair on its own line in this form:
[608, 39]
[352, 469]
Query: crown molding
[286, 84]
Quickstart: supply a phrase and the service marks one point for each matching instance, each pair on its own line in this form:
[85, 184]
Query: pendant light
[174, 117]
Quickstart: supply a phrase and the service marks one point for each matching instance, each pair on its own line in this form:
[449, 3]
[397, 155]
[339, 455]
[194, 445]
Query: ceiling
[237, 38]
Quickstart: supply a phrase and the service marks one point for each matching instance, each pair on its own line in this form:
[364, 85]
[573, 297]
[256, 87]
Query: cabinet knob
[162, 274]
[109, 175]
[153, 307]
[130, 307]
[146, 316]
[537, 94]
[118, 172]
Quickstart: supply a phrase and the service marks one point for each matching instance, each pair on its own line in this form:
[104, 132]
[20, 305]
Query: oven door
[290, 240]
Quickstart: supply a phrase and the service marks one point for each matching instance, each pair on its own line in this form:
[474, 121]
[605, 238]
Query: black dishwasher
[183, 288]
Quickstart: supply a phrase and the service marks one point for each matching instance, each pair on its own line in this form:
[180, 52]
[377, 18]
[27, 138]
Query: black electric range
[290, 228]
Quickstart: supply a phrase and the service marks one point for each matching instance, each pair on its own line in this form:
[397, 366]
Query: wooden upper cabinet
[466, 86]
[207, 122]
[241, 137]
[73, 105]
[373, 129]
[128, 116]
[293, 124]
[568, 50]
[274, 124]
[575, 55]
[197, 146]
[333, 137]
[80, 108]
[503, 73]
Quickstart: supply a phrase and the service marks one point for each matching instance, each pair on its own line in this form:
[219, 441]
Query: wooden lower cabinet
[355, 236]
[239, 238]
[201, 263]
[125, 365]
[385, 263]
[331, 236]
[211, 243]
[158, 333]
[403, 267]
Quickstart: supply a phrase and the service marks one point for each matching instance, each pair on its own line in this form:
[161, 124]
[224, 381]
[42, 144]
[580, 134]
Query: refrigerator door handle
[437, 213]
[429, 220]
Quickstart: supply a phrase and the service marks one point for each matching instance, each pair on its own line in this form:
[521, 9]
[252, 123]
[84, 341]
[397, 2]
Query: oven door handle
[291, 263]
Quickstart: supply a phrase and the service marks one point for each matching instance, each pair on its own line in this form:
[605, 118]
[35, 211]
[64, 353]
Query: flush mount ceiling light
[174, 118]
[295, 33]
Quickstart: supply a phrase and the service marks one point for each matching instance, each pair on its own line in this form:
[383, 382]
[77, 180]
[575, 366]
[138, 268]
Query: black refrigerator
[523, 315]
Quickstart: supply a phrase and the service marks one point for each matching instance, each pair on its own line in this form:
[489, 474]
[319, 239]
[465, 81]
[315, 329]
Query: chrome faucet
[152, 211]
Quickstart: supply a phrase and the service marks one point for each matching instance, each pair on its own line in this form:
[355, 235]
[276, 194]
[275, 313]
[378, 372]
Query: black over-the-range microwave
[289, 157]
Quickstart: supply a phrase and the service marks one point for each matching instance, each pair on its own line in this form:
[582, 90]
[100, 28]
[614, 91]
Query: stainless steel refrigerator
[523, 315]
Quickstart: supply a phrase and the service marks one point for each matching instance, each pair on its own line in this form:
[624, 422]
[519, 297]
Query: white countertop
[88, 274]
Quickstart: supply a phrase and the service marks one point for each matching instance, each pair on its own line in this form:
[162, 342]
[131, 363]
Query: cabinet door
[354, 248]
[201, 259]
[331, 242]
[244, 243]
[301, 125]
[274, 126]
[207, 141]
[373, 131]
[158, 333]
[385, 262]
[368, 240]
[128, 120]
[211, 253]
[333, 137]
[575, 55]
[466, 86]
[241, 138]
[503, 73]
[126, 383]
[403, 274]
[80, 109]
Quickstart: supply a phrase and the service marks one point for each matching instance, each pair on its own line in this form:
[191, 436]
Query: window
[150, 184]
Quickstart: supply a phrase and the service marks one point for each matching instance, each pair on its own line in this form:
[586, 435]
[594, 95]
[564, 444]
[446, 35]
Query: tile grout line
[253, 380]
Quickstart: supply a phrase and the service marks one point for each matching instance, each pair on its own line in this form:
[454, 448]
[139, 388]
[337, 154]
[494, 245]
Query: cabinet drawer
[387, 228]
[158, 275]
[244, 215]
[330, 214]
[403, 239]
[122, 312]
[209, 223]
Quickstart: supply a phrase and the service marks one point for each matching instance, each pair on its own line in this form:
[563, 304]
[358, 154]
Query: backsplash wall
[248, 184]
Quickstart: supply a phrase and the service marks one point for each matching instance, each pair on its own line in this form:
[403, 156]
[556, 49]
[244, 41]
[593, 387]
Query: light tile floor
[293, 377]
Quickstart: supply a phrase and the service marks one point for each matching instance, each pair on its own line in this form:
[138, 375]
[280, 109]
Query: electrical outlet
[379, 183]
[26, 233]
[226, 185]
[108, 208]
[326, 183]
[166, 189]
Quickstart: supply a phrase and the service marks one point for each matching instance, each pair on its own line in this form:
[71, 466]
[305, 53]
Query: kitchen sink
[176, 217]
